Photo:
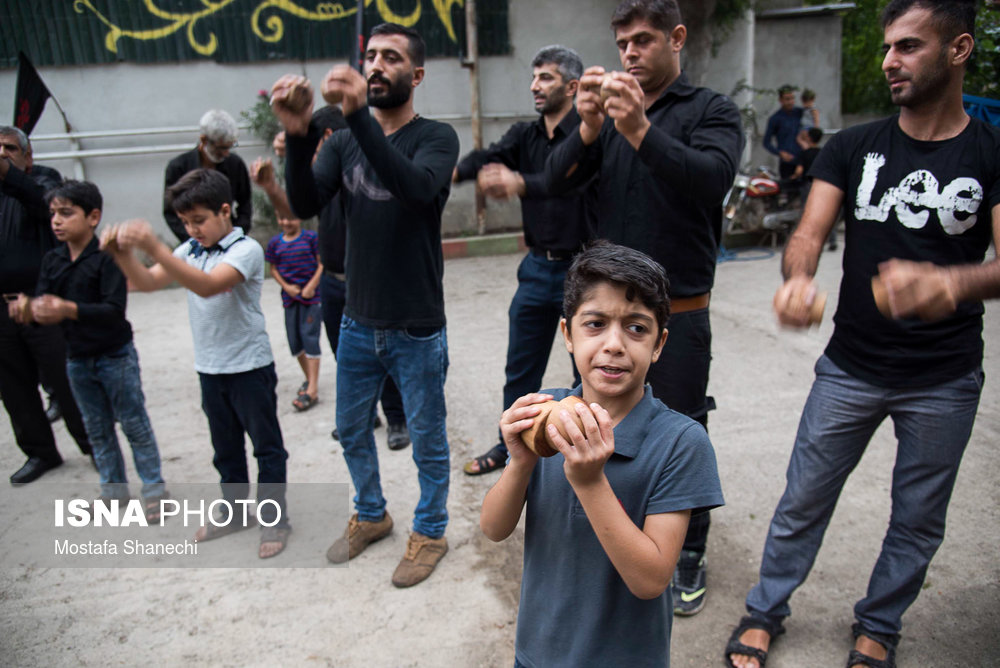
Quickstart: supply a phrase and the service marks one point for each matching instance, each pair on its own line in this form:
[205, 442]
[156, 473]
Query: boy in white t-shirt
[222, 269]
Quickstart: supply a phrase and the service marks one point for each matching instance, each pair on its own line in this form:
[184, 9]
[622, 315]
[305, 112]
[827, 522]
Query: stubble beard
[925, 87]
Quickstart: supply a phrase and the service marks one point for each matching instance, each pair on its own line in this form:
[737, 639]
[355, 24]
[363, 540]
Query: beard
[210, 153]
[553, 101]
[925, 86]
[396, 93]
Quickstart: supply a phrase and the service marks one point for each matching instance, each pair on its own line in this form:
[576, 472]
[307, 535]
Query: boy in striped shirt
[295, 265]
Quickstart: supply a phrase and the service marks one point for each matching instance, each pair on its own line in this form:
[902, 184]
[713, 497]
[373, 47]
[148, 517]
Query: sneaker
[357, 536]
[688, 585]
[422, 555]
[399, 436]
[335, 435]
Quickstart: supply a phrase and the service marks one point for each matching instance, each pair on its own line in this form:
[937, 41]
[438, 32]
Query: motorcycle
[762, 203]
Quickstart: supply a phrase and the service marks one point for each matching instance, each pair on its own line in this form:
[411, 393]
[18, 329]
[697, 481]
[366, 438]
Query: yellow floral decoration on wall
[273, 28]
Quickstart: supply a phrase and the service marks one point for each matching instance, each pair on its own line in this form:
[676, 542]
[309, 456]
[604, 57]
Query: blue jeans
[109, 388]
[333, 293]
[418, 364]
[932, 426]
[239, 404]
[533, 322]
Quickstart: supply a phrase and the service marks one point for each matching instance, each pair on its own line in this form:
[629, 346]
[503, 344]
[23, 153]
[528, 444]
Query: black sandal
[734, 646]
[859, 658]
[495, 459]
[151, 507]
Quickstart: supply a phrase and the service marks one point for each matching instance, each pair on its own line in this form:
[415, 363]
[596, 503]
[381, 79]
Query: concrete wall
[804, 52]
[129, 96]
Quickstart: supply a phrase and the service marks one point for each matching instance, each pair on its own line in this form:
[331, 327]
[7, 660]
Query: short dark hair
[83, 194]
[200, 187]
[329, 118]
[664, 15]
[786, 89]
[815, 135]
[642, 277]
[12, 131]
[808, 94]
[567, 61]
[416, 47]
[951, 17]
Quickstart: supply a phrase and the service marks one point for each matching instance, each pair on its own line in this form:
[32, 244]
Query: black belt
[340, 277]
[553, 256]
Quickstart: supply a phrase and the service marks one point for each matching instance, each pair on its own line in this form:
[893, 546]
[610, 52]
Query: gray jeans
[932, 425]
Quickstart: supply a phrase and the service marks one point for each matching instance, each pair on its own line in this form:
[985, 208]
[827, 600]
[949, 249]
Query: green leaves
[864, 88]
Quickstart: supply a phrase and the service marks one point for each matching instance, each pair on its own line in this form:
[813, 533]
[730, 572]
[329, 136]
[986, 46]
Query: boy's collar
[223, 245]
[92, 247]
[631, 431]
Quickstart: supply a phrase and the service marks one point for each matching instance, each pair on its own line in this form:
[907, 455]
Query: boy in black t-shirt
[82, 288]
[813, 137]
[921, 199]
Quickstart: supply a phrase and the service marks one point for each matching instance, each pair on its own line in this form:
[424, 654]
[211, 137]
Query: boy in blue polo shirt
[606, 515]
[223, 270]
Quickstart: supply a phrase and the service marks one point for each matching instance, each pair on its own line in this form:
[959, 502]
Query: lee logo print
[917, 194]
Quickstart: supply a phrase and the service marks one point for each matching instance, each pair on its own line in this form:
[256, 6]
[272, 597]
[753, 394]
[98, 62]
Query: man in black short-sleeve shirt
[921, 197]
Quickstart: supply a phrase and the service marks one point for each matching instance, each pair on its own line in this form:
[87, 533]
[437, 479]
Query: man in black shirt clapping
[555, 227]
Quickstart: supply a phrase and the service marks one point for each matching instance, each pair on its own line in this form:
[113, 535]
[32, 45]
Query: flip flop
[151, 507]
[304, 402]
[210, 531]
[302, 388]
[275, 534]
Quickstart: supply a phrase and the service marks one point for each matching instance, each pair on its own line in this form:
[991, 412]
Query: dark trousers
[26, 351]
[680, 379]
[238, 404]
[533, 320]
[333, 295]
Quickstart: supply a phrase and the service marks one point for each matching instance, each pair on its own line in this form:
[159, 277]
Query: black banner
[30, 96]
[80, 32]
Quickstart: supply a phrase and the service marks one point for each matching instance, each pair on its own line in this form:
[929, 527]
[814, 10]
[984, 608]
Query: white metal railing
[79, 153]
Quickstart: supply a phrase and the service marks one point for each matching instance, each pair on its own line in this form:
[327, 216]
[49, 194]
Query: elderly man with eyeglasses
[219, 135]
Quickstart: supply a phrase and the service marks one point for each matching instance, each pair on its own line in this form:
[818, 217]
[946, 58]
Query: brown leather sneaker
[422, 555]
[357, 536]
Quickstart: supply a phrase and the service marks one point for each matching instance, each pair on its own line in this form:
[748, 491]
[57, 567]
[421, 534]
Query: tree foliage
[864, 87]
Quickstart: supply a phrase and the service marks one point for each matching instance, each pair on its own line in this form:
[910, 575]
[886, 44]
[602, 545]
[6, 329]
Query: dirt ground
[465, 614]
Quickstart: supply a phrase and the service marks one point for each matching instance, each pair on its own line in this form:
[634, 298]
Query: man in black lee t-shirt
[555, 227]
[921, 193]
[393, 171]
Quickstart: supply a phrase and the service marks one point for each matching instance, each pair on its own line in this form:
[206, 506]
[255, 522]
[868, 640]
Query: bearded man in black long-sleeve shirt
[667, 153]
[393, 170]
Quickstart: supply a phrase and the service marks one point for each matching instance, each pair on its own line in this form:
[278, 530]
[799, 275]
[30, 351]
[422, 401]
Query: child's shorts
[302, 324]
